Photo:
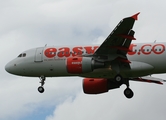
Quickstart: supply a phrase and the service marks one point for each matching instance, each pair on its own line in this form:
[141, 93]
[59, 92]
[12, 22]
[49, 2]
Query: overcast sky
[26, 24]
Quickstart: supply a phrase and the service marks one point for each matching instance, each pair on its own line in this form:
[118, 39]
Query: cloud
[19, 96]
[113, 105]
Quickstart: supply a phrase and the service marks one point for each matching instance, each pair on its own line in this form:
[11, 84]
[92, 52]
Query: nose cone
[9, 67]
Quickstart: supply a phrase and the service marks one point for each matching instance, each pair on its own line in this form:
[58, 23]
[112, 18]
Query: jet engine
[95, 86]
[98, 85]
[78, 65]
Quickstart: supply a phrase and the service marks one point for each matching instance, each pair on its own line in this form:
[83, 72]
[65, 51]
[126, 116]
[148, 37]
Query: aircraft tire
[41, 89]
[128, 93]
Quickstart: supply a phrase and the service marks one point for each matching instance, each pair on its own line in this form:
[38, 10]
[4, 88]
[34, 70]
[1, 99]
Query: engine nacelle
[98, 85]
[78, 65]
[95, 86]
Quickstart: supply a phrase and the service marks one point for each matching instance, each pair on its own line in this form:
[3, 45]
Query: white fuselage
[51, 61]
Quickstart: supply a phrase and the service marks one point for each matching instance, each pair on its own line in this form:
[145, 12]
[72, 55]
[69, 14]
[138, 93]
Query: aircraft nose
[9, 67]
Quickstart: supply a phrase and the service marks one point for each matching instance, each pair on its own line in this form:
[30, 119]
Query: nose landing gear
[41, 88]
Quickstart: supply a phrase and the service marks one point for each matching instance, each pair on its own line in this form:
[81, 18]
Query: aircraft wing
[118, 42]
[149, 79]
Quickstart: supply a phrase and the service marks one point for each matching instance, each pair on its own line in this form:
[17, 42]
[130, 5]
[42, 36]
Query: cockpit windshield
[22, 55]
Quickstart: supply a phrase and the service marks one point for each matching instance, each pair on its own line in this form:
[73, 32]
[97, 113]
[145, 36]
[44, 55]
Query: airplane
[115, 62]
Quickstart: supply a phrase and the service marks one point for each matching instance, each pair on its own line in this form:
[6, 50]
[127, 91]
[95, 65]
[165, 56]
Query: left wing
[114, 49]
[149, 79]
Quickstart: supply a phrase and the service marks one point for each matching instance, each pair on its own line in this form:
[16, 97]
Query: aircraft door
[39, 55]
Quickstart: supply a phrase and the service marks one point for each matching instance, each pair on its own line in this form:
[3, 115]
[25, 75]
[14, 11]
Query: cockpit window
[22, 55]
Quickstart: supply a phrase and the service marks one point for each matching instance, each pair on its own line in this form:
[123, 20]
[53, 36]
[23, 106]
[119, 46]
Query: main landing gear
[41, 88]
[127, 92]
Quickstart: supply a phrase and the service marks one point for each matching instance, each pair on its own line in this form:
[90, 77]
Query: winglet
[135, 17]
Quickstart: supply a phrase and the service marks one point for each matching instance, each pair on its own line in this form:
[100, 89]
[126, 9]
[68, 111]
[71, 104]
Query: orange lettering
[89, 49]
[158, 52]
[143, 49]
[131, 48]
[50, 52]
[77, 51]
[64, 52]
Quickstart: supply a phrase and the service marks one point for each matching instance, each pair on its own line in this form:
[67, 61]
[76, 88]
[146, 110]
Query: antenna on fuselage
[155, 41]
[45, 45]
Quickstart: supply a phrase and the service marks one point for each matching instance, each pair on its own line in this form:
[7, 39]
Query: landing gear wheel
[119, 79]
[42, 81]
[128, 93]
[41, 89]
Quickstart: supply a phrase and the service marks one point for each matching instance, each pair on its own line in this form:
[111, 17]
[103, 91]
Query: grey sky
[33, 23]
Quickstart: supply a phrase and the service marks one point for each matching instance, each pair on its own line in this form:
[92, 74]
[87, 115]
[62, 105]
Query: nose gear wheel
[40, 89]
[42, 81]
